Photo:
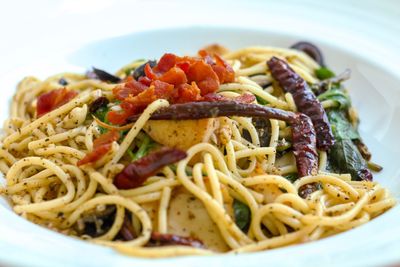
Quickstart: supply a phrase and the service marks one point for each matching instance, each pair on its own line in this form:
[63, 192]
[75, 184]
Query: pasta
[227, 183]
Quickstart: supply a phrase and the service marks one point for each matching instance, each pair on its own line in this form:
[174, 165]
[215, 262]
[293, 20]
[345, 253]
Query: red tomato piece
[149, 72]
[183, 65]
[176, 79]
[163, 90]
[166, 62]
[145, 80]
[175, 76]
[207, 58]
[204, 76]
[131, 87]
[49, 101]
[117, 117]
[188, 93]
[229, 73]
[100, 147]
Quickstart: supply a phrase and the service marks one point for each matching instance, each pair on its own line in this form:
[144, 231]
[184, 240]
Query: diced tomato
[131, 87]
[142, 99]
[204, 76]
[117, 117]
[163, 90]
[188, 93]
[175, 76]
[176, 79]
[100, 147]
[229, 73]
[183, 65]
[145, 80]
[53, 99]
[149, 72]
[220, 71]
[166, 62]
[207, 58]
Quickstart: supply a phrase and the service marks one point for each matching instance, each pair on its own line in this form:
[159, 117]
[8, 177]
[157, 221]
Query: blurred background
[27, 26]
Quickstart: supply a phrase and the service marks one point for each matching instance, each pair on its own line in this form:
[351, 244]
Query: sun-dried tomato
[53, 99]
[100, 147]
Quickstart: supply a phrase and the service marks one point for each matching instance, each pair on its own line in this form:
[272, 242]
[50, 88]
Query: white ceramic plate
[375, 92]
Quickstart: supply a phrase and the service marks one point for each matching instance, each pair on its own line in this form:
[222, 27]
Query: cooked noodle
[39, 156]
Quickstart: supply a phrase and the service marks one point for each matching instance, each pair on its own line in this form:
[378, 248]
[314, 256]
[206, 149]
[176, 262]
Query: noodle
[39, 157]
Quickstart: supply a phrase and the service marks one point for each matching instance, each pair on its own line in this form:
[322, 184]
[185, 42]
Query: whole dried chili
[159, 239]
[136, 173]
[304, 144]
[303, 134]
[311, 50]
[126, 230]
[98, 103]
[103, 76]
[305, 100]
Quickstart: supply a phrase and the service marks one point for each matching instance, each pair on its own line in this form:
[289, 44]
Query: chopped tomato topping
[149, 72]
[204, 76]
[228, 74]
[53, 99]
[130, 88]
[176, 79]
[184, 65]
[166, 62]
[100, 147]
[188, 93]
[118, 117]
[175, 76]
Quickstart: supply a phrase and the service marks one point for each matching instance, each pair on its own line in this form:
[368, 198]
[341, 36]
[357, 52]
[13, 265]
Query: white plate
[375, 92]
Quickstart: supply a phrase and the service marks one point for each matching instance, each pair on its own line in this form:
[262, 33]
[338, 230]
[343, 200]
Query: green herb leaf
[261, 100]
[346, 158]
[283, 145]
[324, 73]
[242, 215]
[144, 148]
[292, 177]
[341, 127]
[341, 99]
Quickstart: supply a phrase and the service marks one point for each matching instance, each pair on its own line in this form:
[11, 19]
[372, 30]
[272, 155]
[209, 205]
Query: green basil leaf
[242, 215]
[341, 127]
[292, 177]
[341, 99]
[144, 148]
[261, 100]
[324, 73]
[345, 158]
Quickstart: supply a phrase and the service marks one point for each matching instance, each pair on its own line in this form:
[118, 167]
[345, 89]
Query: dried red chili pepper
[126, 230]
[303, 134]
[136, 173]
[304, 144]
[305, 100]
[158, 239]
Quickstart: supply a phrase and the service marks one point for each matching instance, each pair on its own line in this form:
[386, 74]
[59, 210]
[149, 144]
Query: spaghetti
[238, 185]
